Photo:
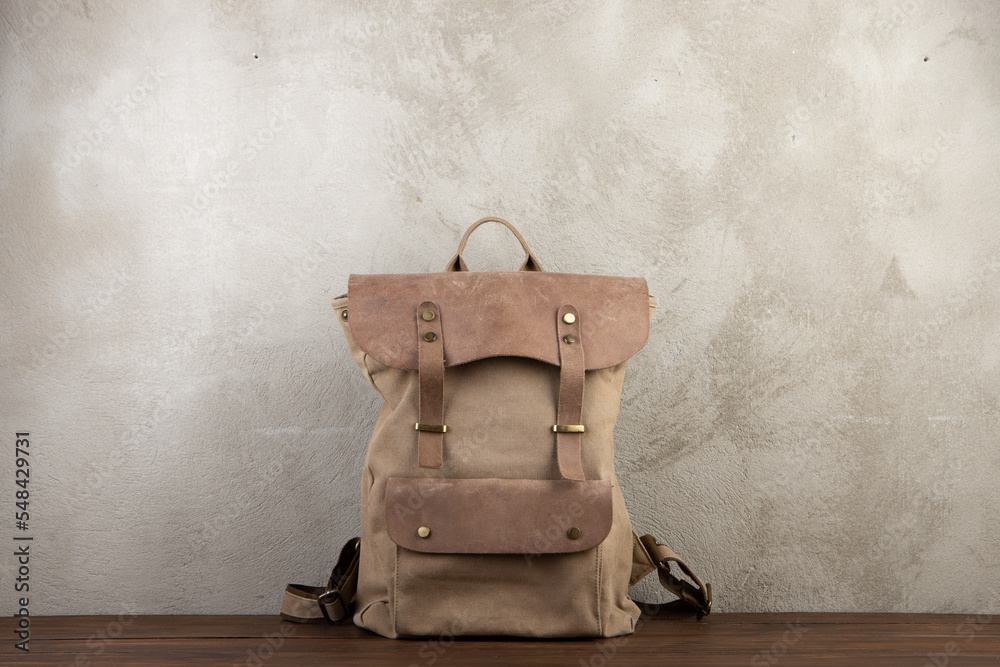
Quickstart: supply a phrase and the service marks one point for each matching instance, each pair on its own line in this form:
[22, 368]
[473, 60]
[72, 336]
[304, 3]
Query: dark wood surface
[922, 640]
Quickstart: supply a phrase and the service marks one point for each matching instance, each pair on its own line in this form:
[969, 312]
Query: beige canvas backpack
[489, 502]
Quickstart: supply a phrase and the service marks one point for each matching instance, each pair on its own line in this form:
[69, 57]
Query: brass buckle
[707, 609]
[431, 428]
[338, 577]
[322, 600]
[694, 595]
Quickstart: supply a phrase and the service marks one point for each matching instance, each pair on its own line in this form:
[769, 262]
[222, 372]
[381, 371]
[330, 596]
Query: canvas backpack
[489, 502]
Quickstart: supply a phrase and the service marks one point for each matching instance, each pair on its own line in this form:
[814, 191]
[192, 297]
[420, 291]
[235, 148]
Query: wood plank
[67, 627]
[720, 639]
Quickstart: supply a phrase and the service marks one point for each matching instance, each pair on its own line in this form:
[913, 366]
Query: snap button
[428, 315]
[569, 318]
[573, 533]
[423, 531]
[430, 336]
[343, 314]
[569, 338]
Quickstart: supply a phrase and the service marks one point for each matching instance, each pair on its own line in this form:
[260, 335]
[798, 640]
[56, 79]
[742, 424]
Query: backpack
[489, 502]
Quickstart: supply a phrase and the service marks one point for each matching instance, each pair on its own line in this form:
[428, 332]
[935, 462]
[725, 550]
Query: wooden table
[757, 640]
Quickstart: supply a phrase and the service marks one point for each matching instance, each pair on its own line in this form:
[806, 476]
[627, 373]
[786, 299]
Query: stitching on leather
[600, 621]
[395, 594]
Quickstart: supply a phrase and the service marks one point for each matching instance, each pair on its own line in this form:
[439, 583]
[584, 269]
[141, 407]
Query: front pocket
[497, 556]
[531, 595]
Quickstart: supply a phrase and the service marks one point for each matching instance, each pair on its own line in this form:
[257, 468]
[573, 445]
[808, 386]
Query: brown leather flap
[497, 516]
[494, 314]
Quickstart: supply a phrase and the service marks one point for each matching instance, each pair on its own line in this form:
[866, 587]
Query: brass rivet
[569, 338]
[343, 314]
[573, 533]
[569, 318]
[430, 336]
[428, 315]
[423, 531]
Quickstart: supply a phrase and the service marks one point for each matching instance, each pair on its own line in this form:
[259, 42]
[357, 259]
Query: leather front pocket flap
[497, 516]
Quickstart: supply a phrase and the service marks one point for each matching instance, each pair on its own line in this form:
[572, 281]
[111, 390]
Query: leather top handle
[457, 263]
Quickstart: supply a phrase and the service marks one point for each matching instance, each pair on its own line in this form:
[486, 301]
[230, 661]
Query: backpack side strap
[649, 555]
[333, 602]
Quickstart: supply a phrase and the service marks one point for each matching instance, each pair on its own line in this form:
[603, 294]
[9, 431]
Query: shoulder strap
[333, 602]
[649, 555]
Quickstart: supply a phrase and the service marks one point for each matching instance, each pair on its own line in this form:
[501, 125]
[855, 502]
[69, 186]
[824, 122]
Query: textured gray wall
[809, 188]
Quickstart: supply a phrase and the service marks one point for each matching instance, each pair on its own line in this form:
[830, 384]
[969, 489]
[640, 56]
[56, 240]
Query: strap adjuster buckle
[706, 609]
[325, 598]
[343, 571]
[431, 428]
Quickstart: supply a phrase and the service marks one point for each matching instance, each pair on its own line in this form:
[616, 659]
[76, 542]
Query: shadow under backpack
[489, 502]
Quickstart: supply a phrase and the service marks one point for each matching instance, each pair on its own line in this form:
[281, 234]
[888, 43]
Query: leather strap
[569, 440]
[431, 427]
[333, 602]
[649, 555]
[457, 263]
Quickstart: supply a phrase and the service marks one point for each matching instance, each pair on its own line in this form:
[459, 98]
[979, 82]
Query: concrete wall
[809, 188]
